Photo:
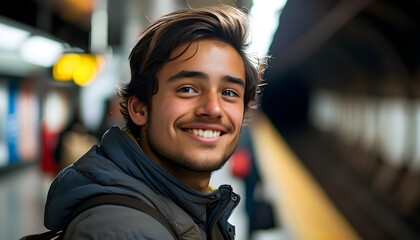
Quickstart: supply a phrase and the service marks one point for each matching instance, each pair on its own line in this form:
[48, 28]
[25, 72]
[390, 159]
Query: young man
[191, 84]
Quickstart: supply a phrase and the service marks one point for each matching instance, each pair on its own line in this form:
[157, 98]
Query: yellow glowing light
[65, 67]
[86, 71]
[81, 68]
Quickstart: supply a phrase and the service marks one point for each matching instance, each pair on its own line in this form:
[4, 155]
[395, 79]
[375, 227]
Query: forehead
[207, 55]
[192, 47]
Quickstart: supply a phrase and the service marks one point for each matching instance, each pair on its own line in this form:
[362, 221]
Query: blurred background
[333, 153]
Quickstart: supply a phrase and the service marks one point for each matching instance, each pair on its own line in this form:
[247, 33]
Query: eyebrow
[201, 75]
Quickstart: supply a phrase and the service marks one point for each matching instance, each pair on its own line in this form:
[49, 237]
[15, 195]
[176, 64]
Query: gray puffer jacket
[119, 166]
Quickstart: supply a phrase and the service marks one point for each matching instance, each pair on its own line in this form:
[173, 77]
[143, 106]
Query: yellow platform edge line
[301, 203]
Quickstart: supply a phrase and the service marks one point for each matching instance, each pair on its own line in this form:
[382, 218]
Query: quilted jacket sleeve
[115, 222]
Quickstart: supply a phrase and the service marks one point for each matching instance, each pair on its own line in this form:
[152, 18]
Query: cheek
[165, 113]
[237, 112]
[173, 108]
[236, 117]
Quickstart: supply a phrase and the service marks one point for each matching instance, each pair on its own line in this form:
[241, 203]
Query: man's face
[197, 113]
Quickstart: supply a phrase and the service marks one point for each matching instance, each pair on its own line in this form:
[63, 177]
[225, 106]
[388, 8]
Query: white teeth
[205, 133]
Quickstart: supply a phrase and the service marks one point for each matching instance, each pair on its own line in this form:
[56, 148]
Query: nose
[210, 105]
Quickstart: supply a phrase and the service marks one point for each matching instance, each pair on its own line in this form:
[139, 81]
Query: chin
[205, 165]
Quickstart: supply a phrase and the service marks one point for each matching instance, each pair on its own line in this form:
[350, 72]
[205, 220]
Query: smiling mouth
[204, 133]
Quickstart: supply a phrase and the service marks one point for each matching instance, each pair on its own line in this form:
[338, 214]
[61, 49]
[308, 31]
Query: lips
[204, 133]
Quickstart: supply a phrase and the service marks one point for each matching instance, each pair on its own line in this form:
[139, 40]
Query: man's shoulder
[116, 222]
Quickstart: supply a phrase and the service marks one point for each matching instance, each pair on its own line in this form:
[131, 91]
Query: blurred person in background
[111, 116]
[190, 89]
[243, 165]
[73, 141]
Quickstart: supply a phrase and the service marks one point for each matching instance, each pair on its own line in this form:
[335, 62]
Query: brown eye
[230, 93]
[186, 90]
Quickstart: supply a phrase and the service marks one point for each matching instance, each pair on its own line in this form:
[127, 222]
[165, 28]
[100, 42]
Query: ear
[137, 110]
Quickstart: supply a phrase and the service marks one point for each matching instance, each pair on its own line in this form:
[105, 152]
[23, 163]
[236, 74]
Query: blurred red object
[240, 163]
[48, 142]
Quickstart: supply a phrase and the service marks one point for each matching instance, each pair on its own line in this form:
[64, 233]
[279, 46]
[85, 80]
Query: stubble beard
[182, 161]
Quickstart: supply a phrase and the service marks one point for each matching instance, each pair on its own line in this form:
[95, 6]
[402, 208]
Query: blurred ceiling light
[41, 51]
[264, 22]
[12, 37]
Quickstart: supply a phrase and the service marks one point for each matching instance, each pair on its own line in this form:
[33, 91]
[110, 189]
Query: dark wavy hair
[158, 41]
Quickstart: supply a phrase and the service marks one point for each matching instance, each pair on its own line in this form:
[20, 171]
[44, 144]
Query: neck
[196, 180]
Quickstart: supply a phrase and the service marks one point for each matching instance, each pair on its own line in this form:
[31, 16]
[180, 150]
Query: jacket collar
[138, 165]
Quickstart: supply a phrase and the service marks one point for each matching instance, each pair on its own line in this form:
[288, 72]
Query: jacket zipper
[231, 204]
